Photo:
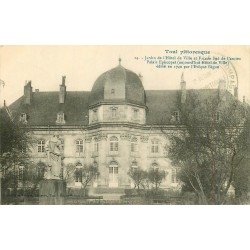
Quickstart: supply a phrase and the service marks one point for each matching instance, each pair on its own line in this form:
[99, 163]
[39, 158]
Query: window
[95, 145]
[174, 178]
[95, 164]
[78, 172]
[134, 165]
[113, 112]
[136, 114]
[95, 179]
[23, 147]
[155, 146]
[79, 146]
[113, 169]
[112, 92]
[60, 118]
[41, 146]
[95, 115]
[176, 116]
[134, 145]
[23, 117]
[114, 144]
[40, 171]
[217, 116]
[155, 166]
[20, 172]
[62, 144]
[113, 174]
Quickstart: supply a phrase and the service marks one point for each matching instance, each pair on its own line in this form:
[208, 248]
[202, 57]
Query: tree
[15, 140]
[241, 182]
[210, 145]
[138, 176]
[155, 177]
[83, 175]
[88, 174]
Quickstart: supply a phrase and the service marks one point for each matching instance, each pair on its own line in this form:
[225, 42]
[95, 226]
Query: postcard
[132, 125]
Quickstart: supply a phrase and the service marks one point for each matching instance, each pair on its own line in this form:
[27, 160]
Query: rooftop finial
[119, 60]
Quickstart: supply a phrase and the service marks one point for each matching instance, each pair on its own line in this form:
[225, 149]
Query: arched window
[113, 174]
[134, 145]
[114, 147]
[79, 146]
[40, 146]
[155, 166]
[78, 172]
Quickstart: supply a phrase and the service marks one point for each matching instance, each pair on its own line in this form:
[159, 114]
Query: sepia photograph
[125, 125]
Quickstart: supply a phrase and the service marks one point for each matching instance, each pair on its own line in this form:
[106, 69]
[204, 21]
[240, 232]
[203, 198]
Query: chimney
[236, 92]
[183, 89]
[222, 90]
[62, 93]
[36, 90]
[28, 93]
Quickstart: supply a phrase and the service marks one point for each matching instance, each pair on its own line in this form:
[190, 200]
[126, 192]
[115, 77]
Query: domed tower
[117, 96]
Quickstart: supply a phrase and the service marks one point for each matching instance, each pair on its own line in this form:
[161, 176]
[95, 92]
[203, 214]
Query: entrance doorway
[113, 174]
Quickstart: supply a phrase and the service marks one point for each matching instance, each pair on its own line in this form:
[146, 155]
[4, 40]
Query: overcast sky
[45, 65]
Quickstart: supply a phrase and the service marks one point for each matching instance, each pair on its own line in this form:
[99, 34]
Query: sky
[45, 66]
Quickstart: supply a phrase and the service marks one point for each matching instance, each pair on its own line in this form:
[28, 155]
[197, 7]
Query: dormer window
[60, 118]
[23, 117]
[176, 116]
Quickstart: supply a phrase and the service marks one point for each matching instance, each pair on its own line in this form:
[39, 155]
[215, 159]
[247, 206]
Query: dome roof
[118, 85]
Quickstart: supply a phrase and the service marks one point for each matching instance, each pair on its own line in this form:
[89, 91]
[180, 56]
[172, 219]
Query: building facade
[115, 126]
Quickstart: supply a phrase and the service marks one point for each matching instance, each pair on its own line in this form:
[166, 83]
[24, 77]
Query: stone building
[115, 126]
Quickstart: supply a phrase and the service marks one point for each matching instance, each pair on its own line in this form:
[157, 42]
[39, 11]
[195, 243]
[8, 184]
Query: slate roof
[45, 106]
[134, 90]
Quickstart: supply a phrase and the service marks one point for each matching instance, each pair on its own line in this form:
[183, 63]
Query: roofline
[116, 103]
[103, 125]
